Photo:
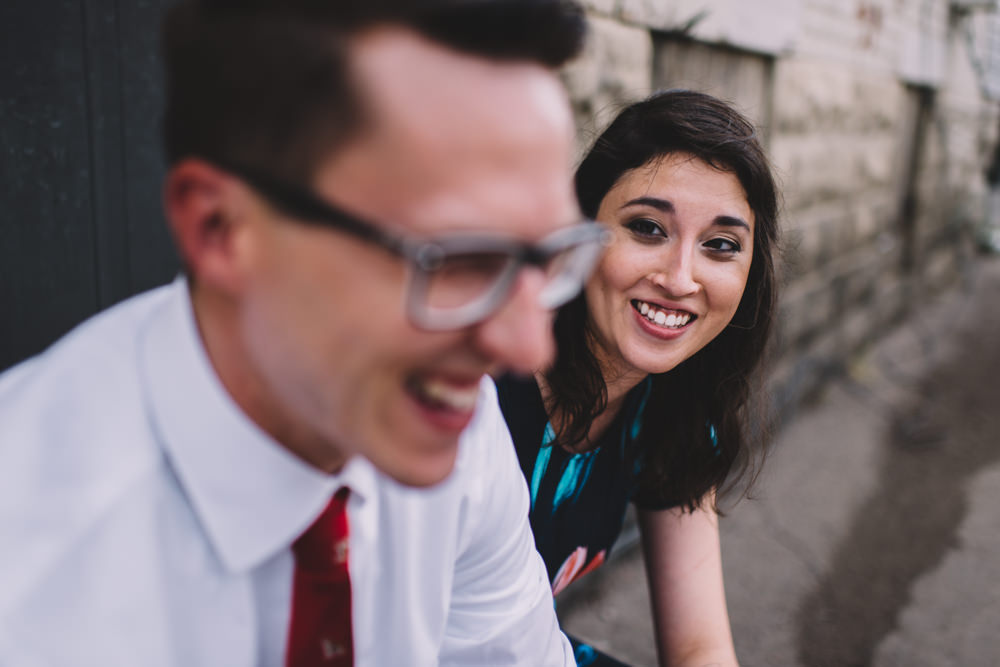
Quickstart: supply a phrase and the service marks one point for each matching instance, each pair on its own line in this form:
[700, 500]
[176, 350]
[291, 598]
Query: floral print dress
[578, 501]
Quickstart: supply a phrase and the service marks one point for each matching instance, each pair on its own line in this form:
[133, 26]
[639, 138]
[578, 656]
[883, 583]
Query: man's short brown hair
[264, 83]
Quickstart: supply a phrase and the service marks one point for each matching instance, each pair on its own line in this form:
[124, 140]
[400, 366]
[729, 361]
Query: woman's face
[675, 273]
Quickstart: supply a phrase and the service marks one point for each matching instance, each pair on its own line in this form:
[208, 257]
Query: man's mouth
[663, 317]
[440, 394]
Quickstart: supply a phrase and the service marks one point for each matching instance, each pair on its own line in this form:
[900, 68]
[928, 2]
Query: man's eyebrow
[667, 206]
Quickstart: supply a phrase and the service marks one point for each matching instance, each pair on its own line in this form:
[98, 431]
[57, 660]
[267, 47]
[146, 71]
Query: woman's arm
[684, 571]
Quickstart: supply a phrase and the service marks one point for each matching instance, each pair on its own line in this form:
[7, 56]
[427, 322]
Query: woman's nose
[675, 274]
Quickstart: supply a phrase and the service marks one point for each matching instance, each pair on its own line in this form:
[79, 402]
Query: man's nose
[518, 337]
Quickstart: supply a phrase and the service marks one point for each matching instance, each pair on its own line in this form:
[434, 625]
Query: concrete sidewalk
[873, 537]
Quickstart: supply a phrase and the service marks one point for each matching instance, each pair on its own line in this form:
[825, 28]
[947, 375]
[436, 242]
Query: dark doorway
[919, 109]
[80, 215]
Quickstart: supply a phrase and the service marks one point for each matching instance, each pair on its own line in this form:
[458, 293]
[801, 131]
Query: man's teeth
[662, 318]
[461, 399]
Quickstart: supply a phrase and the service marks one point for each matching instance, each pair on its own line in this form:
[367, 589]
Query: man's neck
[216, 317]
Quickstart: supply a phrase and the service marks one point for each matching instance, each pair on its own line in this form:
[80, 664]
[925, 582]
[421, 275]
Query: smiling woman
[674, 277]
[648, 399]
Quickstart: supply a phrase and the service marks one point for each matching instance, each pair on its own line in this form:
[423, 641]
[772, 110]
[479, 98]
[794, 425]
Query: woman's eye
[724, 245]
[644, 227]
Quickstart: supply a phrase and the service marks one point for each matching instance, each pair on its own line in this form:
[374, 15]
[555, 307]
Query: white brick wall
[836, 85]
[615, 68]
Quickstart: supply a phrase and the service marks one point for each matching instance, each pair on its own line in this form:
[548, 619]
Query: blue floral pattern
[578, 500]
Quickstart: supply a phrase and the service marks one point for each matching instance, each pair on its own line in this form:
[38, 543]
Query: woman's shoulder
[523, 410]
[519, 396]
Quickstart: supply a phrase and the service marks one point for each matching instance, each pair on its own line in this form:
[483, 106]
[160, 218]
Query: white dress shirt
[146, 521]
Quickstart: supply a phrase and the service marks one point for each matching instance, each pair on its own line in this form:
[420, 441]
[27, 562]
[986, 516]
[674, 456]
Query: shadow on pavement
[935, 444]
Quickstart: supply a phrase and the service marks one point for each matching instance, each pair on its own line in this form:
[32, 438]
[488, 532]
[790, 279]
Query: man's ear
[203, 210]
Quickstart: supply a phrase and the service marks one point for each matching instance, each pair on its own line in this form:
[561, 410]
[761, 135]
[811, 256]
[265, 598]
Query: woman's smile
[663, 317]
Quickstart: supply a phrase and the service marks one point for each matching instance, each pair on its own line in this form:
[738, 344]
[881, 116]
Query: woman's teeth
[662, 318]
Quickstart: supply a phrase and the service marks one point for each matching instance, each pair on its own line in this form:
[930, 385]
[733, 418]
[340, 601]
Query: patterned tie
[320, 629]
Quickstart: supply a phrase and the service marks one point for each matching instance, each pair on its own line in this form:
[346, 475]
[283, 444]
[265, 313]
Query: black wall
[81, 223]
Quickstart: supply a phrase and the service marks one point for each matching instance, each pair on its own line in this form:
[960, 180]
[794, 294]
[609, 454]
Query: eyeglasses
[457, 280]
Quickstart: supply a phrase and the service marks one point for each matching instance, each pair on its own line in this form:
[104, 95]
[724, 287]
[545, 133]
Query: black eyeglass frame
[428, 255]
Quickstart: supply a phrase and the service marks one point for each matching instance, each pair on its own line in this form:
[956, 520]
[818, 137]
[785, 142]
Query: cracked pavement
[873, 536]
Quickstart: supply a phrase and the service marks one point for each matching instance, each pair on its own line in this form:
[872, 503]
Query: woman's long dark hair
[698, 434]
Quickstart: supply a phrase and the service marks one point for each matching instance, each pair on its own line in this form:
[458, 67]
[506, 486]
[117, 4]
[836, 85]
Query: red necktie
[320, 629]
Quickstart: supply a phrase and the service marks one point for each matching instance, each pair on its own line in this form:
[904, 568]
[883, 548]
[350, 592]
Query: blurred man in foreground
[373, 204]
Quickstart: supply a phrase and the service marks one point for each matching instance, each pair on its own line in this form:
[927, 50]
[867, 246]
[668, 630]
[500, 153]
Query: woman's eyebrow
[664, 205]
[731, 221]
[667, 206]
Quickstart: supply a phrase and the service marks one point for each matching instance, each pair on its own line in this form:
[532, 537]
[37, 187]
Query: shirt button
[340, 552]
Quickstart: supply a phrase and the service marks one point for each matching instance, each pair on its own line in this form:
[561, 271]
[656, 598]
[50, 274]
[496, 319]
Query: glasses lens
[469, 279]
[567, 271]
[462, 279]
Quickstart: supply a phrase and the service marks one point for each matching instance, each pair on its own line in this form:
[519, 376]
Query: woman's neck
[617, 386]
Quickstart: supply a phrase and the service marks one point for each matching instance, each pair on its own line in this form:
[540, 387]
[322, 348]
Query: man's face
[453, 143]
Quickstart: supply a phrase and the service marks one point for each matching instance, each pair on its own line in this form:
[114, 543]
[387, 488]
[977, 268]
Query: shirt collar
[252, 496]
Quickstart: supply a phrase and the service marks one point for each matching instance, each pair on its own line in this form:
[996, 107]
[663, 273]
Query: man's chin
[419, 471]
